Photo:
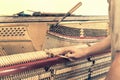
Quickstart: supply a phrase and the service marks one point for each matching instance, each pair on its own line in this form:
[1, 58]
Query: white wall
[89, 7]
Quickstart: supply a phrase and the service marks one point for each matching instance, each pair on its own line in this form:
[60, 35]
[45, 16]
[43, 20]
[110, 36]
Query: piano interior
[23, 41]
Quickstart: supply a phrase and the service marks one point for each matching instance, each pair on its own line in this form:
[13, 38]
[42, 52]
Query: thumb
[70, 57]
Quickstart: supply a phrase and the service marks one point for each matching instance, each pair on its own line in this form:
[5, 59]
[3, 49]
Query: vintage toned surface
[115, 24]
[26, 34]
[23, 39]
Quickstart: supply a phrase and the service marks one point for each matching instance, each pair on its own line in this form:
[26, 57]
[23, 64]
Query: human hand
[71, 53]
[56, 51]
[75, 53]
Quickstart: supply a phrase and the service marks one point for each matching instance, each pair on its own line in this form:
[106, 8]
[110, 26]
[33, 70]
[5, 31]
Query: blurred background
[89, 7]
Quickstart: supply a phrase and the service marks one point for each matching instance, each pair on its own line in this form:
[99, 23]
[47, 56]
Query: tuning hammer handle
[75, 7]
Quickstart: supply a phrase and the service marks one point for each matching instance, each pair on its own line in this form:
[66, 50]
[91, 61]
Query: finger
[46, 50]
[70, 55]
[57, 51]
[70, 59]
[63, 52]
